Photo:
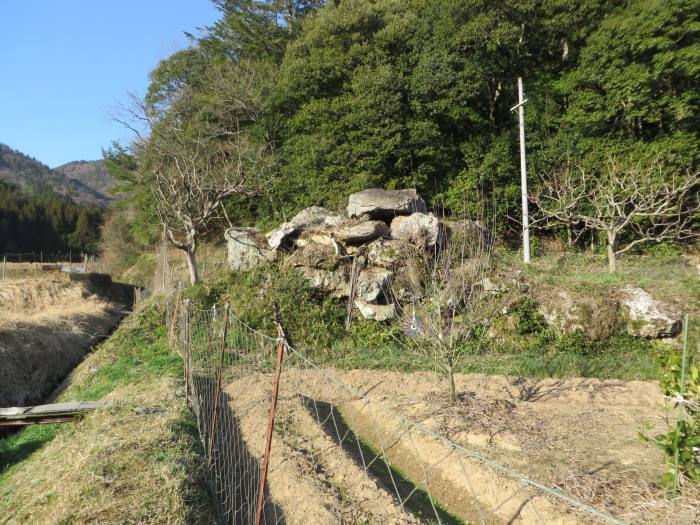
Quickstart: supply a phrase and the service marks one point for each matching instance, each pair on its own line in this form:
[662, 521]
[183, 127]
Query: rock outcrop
[246, 248]
[384, 204]
[325, 246]
[362, 232]
[597, 317]
[647, 317]
[419, 228]
[361, 255]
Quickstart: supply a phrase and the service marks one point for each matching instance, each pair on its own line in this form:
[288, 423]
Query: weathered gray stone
[314, 217]
[314, 255]
[246, 248]
[280, 236]
[314, 237]
[384, 252]
[334, 282]
[597, 317]
[376, 312]
[372, 283]
[384, 204]
[647, 317]
[420, 228]
[361, 232]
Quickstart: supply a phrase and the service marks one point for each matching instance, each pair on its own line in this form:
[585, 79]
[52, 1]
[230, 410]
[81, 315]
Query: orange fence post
[270, 425]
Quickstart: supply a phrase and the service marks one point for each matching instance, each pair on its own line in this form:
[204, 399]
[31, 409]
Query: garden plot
[578, 435]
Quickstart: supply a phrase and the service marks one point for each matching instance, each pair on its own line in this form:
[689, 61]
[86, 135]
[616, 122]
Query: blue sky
[64, 65]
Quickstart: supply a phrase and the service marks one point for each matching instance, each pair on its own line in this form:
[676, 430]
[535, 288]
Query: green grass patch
[19, 445]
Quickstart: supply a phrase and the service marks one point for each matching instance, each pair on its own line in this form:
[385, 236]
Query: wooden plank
[37, 420]
[68, 409]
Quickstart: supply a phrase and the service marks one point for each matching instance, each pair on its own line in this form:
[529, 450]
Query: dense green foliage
[45, 222]
[418, 93]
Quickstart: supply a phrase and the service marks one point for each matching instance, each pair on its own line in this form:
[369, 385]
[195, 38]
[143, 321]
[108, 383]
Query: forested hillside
[45, 222]
[36, 178]
[91, 173]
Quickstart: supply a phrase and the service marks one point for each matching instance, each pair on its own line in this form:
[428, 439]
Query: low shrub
[313, 321]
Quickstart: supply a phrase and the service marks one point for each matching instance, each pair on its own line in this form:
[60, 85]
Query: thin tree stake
[217, 393]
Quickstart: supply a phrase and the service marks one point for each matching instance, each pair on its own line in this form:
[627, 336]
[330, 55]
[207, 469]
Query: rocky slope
[356, 257]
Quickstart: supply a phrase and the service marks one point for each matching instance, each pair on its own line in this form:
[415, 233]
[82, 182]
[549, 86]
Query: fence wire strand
[339, 455]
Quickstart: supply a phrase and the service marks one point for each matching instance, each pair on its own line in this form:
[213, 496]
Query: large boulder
[282, 236]
[286, 233]
[384, 252]
[647, 317]
[361, 232]
[246, 248]
[420, 228]
[334, 282]
[314, 255]
[316, 217]
[384, 204]
[372, 283]
[595, 316]
[376, 312]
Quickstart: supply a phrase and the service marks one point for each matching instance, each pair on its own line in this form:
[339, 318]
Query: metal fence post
[270, 426]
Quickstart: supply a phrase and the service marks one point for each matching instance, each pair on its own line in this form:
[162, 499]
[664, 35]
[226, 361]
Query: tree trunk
[453, 391]
[192, 265]
[612, 262]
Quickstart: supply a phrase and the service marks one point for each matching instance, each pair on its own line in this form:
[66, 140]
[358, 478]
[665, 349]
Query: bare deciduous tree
[631, 204]
[447, 301]
[198, 154]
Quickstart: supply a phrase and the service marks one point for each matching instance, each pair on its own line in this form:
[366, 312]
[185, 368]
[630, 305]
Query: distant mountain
[92, 173]
[35, 178]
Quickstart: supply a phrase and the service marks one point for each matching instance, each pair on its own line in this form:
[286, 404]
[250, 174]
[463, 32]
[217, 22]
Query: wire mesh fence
[341, 450]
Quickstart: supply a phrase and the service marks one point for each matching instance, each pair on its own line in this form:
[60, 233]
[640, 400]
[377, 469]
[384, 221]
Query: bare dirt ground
[579, 435]
[47, 323]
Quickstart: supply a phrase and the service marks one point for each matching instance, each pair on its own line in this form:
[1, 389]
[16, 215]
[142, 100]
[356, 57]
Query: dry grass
[116, 466]
[47, 324]
[113, 467]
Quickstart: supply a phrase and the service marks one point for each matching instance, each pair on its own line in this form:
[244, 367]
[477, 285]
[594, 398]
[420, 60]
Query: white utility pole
[523, 172]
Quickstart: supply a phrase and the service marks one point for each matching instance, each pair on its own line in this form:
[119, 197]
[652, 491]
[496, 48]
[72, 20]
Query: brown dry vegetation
[47, 323]
[114, 467]
[117, 465]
